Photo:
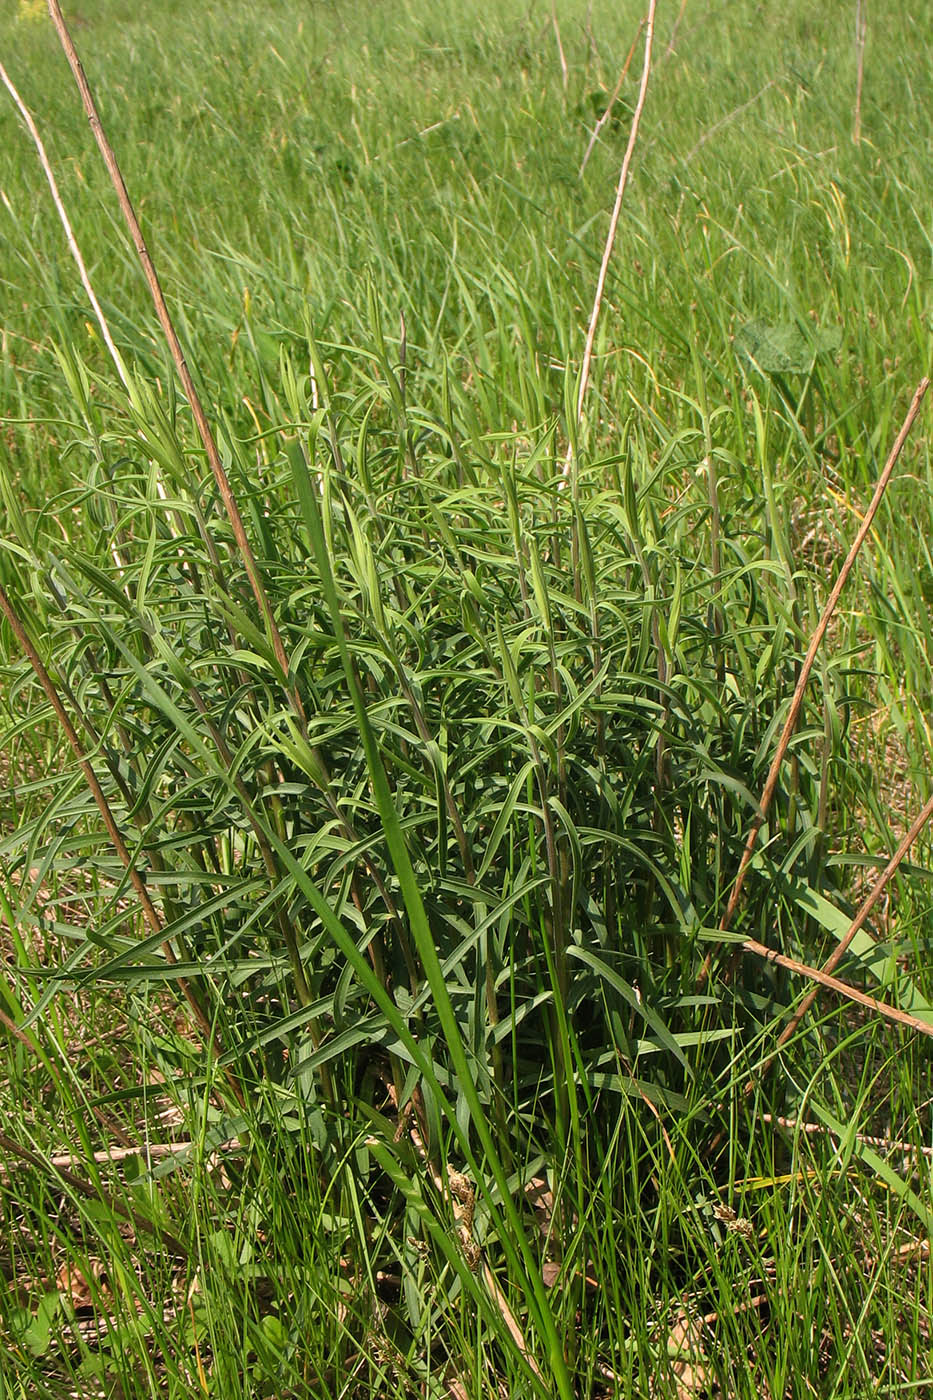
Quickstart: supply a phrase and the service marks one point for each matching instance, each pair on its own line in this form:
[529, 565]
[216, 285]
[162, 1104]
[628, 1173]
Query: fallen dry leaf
[76, 1287]
[688, 1361]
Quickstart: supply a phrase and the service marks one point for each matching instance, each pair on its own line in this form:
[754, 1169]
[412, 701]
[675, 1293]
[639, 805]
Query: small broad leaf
[786, 348]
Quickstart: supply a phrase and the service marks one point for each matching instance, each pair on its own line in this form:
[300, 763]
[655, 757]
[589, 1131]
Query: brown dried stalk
[890, 1013]
[798, 1125]
[18, 1033]
[796, 703]
[206, 435]
[821, 976]
[613, 223]
[672, 41]
[150, 912]
[165, 320]
[83, 1187]
[149, 1151]
[838, 953]
[96, 1192]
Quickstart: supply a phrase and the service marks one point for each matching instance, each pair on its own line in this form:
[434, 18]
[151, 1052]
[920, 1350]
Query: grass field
[366, 1023]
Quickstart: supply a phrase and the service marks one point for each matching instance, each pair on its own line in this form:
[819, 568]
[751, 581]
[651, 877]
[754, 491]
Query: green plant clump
[385, 858]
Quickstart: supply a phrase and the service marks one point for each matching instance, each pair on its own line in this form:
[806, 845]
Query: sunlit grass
[467, 1120]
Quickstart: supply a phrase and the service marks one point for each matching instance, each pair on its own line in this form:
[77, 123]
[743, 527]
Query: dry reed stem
[18, 1033]
[225, 755]
[673, 39]
[113, 831]
[816, 974]
[66, 225]
[613, 224]
[97, 1192]
[150, 913]
[798, 1125]
[796, 703]
[510, 1320]
[877, 890]
[165, 320]
[153, 1151]
[204, 430]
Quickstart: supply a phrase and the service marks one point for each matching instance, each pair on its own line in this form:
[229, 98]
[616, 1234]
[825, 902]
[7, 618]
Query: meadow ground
[389, 1044]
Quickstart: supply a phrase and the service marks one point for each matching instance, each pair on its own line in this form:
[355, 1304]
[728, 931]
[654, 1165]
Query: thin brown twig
[868, 904]
[613, 224]
[18, 1033]
[198, 413]
[816, 974]
[797, 1125]
[831, 963]
[136, 879]
[113, 831]
[165, 320]
[796, 703]
[673, 39]
[121, 370]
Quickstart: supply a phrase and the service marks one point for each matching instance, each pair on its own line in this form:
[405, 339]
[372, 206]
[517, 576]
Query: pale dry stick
[66, 225]
[613, 224]
[165, 320]
[116, 836]
[426, 130]
[816, 974]
[84, 1188]
[18, 1033]
[793, 714]
[611, 103]
[153, 1150]
[861, 30]
[510, 1320]
[796, 1125]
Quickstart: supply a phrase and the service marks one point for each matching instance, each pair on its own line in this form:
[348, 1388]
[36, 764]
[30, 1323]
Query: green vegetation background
[307, 174]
